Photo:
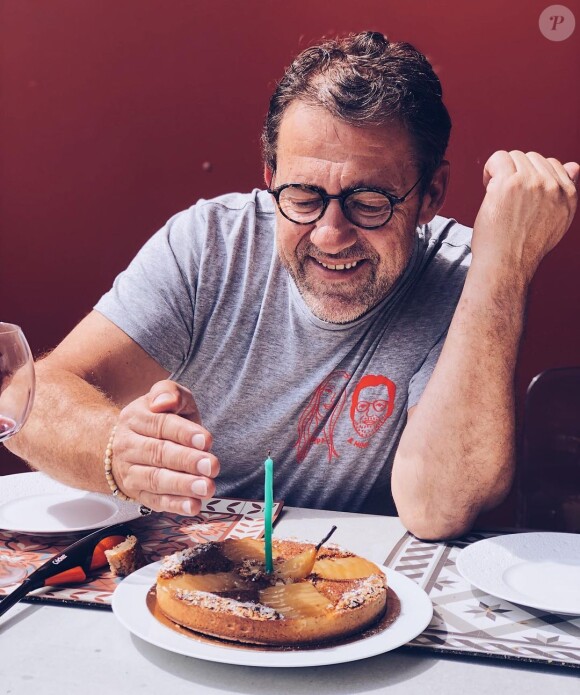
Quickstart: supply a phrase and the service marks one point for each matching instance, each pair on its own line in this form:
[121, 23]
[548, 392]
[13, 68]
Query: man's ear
[434, 196]
[268, 175]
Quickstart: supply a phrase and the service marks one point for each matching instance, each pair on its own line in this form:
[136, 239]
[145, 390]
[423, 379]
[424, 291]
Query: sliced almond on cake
[212, 583]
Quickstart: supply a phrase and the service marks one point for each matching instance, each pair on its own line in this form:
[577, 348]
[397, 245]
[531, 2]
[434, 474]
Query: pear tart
[313, 594]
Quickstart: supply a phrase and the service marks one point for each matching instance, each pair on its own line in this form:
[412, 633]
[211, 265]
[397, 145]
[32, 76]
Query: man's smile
[333, 269]
[338, 266]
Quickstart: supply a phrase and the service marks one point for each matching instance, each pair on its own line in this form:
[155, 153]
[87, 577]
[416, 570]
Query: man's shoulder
[446, 231]
[257, 202]
[222, 219]
[445, 256]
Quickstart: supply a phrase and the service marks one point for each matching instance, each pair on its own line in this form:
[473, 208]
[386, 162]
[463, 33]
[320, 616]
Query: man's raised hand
[529, 205]
[161, 451]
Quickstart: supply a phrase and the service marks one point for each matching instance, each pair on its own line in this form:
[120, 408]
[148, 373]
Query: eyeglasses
[368, 208]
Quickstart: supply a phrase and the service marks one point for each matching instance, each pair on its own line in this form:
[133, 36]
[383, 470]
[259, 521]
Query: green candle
[268, 503]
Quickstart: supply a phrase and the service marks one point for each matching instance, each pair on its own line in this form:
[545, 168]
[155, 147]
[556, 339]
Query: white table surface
[49, 650]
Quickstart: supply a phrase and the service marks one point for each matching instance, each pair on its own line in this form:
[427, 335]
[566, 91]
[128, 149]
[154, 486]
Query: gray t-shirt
[208, 299]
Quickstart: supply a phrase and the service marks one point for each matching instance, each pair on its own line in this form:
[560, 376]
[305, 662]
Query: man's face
[316, 148]
[371, 409]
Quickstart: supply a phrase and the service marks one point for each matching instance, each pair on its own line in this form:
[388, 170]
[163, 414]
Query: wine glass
[17, 380]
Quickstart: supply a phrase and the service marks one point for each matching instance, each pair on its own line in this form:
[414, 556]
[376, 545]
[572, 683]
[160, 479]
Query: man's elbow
[436, 527]
[436, 522]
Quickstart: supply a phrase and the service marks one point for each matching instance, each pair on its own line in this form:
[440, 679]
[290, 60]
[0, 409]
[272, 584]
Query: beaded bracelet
[117, 492]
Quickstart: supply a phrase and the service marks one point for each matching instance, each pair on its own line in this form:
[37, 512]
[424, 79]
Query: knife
[72, 565]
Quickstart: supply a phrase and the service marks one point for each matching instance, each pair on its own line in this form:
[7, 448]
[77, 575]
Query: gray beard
[333, 307]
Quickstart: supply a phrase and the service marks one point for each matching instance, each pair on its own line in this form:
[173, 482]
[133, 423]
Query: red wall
[111, 109]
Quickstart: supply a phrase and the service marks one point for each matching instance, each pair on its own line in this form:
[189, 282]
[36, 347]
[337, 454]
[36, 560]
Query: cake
[125, 557]
[313, 595]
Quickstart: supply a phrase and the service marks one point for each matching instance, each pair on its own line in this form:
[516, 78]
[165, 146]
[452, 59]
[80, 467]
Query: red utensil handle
[76, 575]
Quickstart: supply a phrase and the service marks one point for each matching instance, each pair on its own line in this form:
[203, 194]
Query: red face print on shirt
[372, 403]
[318, 420]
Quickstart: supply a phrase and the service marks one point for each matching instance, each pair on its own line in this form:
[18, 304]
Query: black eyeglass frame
[342, 197]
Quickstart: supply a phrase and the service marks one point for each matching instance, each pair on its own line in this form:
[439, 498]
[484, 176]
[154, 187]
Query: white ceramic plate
[35, 503]
[130, 607]
[540, 570]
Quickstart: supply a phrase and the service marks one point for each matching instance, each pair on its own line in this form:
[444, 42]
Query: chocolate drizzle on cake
[206, 558]
[251, 595]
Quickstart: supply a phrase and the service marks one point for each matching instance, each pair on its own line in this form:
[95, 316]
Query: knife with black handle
[72, 565]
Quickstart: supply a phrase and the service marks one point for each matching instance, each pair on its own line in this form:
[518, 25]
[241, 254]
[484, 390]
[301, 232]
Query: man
[262, 315]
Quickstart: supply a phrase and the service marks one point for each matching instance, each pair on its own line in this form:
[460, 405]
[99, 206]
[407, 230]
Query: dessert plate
[131, 609]
[540, 570]
[35, 503]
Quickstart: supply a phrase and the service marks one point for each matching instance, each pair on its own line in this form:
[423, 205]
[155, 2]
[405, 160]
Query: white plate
[35, 503]
[540, 570]
[130, 607]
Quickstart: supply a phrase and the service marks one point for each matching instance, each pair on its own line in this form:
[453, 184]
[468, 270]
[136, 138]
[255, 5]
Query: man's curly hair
[365, 79]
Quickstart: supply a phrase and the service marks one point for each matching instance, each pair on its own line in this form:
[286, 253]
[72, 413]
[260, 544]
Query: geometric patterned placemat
[467, 620]
[159, 534]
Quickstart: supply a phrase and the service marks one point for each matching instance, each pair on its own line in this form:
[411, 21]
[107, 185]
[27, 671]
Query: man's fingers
[503, 164]
[140, 420]
[167, 412]
[499, 164]
[161, 489]
[554, 177]
[160, 481]
[169, 396]
[176, 429]
[161, 451]
[523, 163]
[171, 503]
[573, 171]
[150, 451]
[567, 182]
[549, 169]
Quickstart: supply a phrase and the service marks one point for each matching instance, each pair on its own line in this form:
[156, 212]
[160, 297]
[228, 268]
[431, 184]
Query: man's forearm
[67, 431]
[456, 456]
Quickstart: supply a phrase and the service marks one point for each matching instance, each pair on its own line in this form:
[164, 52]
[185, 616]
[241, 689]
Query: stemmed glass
[17, 381]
